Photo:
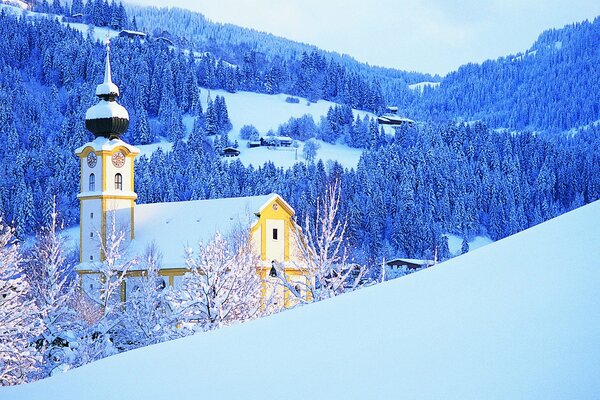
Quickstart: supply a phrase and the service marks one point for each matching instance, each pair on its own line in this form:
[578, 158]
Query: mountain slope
[553, 86]
[515, 319]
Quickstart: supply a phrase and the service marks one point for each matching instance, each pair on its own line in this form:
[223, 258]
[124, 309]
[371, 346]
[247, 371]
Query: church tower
[106, 195]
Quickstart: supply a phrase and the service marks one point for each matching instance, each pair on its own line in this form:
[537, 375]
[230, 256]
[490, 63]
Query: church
[107, 202]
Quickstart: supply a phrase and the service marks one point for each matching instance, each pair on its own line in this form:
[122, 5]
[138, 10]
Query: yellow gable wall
[275, 210]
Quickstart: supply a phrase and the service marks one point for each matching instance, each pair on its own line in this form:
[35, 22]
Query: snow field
[517, 319]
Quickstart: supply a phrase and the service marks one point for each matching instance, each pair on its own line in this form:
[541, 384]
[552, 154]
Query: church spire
[107, 89]
[107, 118]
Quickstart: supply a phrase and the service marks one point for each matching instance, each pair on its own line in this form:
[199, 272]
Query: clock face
[275, 206]
[118, 159]
[92, 160]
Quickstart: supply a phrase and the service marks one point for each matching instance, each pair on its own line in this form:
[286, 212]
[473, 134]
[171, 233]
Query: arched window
[118, 182]
[92, 182]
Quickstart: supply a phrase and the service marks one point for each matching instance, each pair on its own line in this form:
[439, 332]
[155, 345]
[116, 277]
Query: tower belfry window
[118, 182]
[275, 234]
[92, 182]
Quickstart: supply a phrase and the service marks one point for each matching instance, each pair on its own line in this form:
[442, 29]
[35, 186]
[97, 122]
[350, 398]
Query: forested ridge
[441, 176]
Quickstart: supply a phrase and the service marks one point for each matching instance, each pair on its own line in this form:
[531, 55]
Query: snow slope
[516, 319]
[455, 243]
[422, 85]
[267, 112]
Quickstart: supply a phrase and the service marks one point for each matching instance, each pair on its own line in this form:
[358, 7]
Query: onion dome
[107, 118]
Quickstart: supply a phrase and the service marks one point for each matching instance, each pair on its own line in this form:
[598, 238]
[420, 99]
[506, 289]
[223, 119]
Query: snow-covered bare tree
[147, 318]
[19, 323]
[222, 286]
[322, 254]
[110, 274]
[52, 290]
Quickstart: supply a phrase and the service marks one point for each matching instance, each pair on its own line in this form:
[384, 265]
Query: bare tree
[19, 323]
[322, 254]
[222, 286]
[98, 336]
[147, 318]
[52, 291]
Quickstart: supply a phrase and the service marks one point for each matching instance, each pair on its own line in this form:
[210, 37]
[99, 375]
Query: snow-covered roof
[105, 144]
[410, 261]
[135, 33]
[178, 225]
[394, 119]
[106, 109]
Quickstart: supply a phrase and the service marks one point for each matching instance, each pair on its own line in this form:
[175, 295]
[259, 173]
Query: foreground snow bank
[516, 319]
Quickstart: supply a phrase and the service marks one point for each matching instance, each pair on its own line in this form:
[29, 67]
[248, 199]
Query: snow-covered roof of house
[134, 33]
[409, 261]
[105, 144]
[394, 119]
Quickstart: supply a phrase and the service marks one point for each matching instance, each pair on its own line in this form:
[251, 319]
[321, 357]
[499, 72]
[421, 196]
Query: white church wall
[91, 225]
[119, 212]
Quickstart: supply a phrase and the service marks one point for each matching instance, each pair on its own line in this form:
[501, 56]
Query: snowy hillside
[517, 319]
[268, 112]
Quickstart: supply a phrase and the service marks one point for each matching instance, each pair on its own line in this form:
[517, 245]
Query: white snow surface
[268, 112]
[517, 319]
[422, 85]
[15, 3]
[455, 243]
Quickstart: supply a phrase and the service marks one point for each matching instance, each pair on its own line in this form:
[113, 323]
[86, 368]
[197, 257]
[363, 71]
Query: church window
[91, 234]
[118, 182]
[92, 182]
[91, 258]
[91, 215]
[275, 234]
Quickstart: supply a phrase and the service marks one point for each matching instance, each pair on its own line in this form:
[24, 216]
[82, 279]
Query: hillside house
[230, 152]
